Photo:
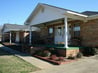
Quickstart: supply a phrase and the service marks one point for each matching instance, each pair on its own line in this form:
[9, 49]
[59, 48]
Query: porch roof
[15, 27]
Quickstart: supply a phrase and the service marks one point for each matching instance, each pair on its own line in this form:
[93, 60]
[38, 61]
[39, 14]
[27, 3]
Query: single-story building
[14, 33]
[64, 26]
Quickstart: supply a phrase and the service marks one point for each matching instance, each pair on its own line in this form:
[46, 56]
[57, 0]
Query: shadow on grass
[9, 51]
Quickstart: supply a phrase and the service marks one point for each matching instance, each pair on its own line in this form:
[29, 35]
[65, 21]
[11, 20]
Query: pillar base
[68, 52]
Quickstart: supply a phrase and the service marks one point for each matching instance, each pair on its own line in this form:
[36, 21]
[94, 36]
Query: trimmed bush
[46, 53]
[95, 50]
[71, 57]
[43, 53]
[79, 55]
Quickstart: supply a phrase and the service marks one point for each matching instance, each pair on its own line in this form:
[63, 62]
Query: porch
[14, 33]
[61, 34]
[16, 37]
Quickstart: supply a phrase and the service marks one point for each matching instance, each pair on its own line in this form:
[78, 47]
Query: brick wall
[44, 35]
[89, 33]
[21, 35]
[44, 32]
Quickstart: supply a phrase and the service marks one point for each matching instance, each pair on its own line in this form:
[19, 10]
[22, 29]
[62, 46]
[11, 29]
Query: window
[76, 30]
[76, 33]
[50, 30]
[76, 27]
[59, 30]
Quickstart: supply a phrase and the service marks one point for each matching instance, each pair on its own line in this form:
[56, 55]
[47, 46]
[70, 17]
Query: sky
[17, 11]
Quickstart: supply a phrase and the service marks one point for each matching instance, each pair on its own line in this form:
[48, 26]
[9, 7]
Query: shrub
[95, 50]
[39, 53]
[71, 57]
[46, 53]
[79, 55]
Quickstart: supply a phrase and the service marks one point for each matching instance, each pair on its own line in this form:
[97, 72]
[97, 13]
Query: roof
[89, 13]
[63, 9]
[84, 14]
[15, 27]
[59, 8]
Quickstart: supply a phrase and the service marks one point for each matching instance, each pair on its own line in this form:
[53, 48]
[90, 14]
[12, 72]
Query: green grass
[12, 64]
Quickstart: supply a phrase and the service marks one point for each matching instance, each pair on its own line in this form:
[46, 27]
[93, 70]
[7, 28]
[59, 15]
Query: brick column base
[72, 52]
[67, 52]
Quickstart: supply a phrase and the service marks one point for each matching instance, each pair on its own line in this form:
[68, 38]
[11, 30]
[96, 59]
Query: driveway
[85, 65]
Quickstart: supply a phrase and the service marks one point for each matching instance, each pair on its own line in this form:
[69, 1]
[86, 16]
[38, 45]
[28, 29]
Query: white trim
[77, 14]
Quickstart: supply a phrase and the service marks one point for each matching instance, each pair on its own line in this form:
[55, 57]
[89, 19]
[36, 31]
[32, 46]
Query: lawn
[12, 64]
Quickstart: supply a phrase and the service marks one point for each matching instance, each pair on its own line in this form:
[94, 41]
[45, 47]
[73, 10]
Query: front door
[60, 34]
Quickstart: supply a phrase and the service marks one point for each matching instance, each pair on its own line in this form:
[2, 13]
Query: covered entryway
[55, 22]
[13, 33]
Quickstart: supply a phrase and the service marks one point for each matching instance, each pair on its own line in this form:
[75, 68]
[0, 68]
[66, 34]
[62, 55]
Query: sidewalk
[32, 60]
[86, 65]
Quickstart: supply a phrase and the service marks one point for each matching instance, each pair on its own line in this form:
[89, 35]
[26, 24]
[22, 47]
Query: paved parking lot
[85, 65]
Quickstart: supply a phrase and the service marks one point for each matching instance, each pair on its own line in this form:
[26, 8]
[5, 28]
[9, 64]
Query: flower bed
[56, 62]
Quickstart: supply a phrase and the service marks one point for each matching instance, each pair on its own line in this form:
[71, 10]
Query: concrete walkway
[32, 60]
[86, 65]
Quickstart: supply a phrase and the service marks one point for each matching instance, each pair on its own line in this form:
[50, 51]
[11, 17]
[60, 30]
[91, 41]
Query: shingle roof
[89, 13]
[15, 27]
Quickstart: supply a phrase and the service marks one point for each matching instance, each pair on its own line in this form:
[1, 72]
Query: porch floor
[57, 46]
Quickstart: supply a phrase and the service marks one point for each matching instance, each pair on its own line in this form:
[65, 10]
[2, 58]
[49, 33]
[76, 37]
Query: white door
[59, 34]
[17, 37]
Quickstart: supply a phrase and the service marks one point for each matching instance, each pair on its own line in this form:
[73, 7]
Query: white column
[10, 37]
[66, 32]
[17, 37]
[30, 35]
